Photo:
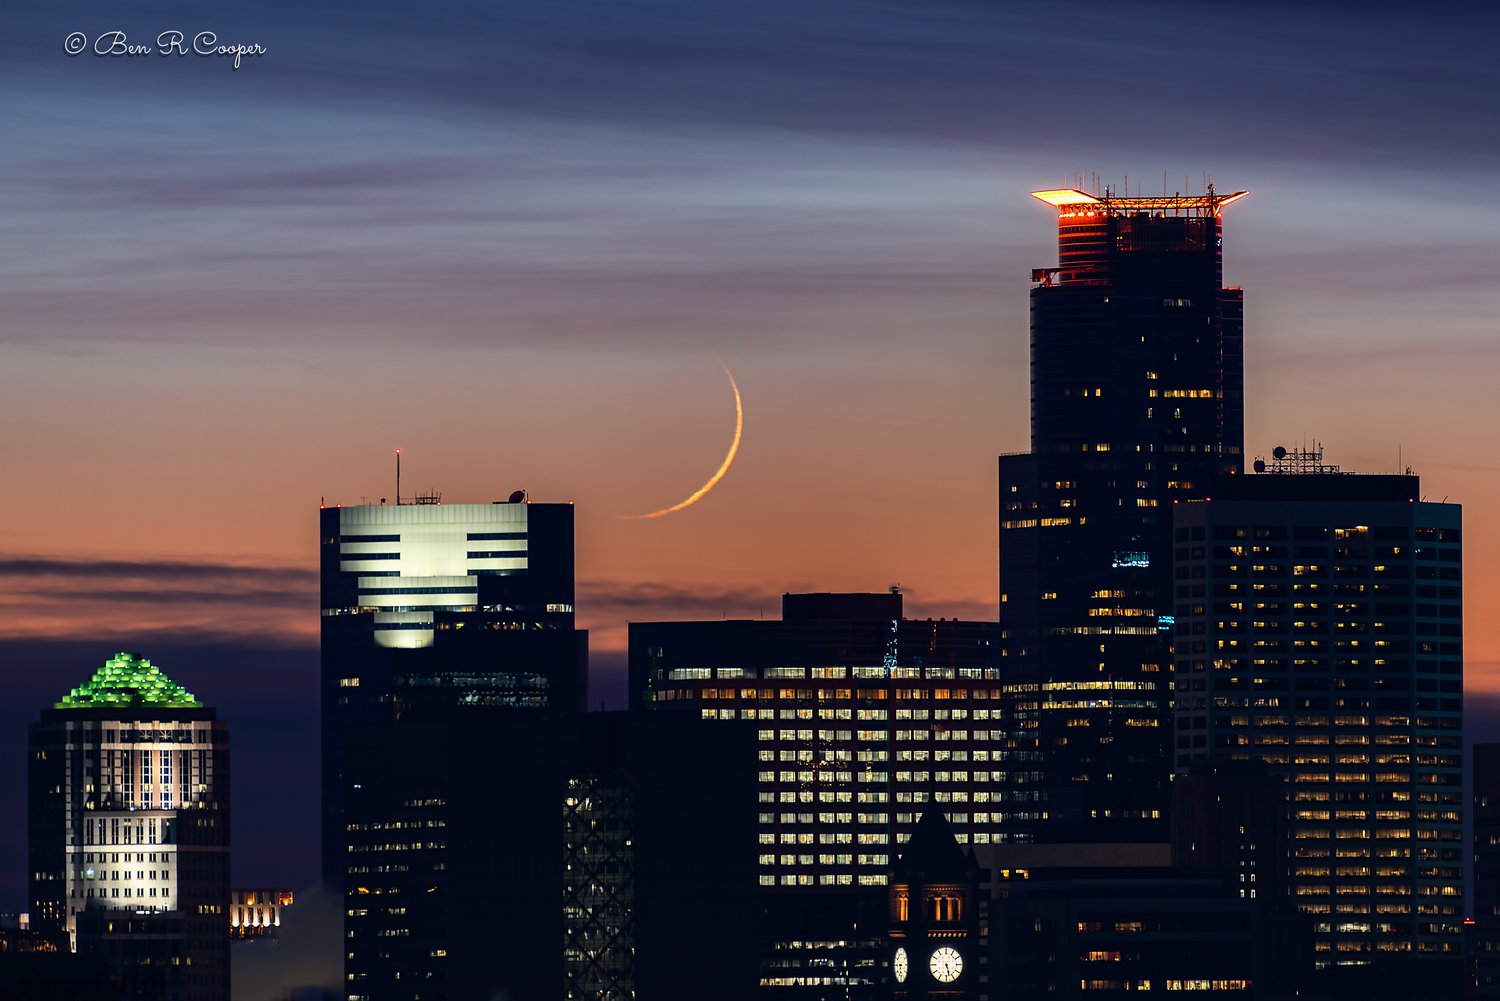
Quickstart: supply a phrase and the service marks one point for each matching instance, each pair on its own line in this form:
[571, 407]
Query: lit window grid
[397, 861]
[127, 779]
[1375, 797]
[847, 764]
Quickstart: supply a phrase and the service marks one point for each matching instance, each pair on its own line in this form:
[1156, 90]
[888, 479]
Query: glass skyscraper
[1136, 402]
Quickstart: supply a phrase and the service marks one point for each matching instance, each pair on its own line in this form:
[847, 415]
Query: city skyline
[207, 337]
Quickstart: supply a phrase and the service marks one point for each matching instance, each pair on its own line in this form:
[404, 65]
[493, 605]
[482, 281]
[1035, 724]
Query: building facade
[862, 718]
[1484, 936]
[1319, 631]
[1136, 401]
[430, 605]
[1120, 933]
[129, 831]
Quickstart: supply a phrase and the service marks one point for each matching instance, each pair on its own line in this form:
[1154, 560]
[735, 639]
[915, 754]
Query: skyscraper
[1319, 631]
[129, 831]
[1136, 401]
[428, 606]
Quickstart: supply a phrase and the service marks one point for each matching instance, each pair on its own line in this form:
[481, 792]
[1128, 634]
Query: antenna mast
[398, 477]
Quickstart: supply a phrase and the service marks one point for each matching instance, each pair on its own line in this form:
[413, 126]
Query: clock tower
[934, 916]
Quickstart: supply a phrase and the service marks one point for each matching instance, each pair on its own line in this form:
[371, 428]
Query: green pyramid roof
[127, 679]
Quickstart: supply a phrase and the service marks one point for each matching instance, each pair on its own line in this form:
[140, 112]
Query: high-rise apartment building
[1319, 631]
[429, 606]
[129, 831]
[1136, 401]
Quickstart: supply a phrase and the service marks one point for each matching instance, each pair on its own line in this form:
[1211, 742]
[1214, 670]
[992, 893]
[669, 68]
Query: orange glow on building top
[1071, 201]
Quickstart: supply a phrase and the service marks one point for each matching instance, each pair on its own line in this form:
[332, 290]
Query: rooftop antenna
[398, 477]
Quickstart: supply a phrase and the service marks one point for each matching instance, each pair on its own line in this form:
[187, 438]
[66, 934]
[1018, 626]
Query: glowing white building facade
[428, 607]
[129, 829]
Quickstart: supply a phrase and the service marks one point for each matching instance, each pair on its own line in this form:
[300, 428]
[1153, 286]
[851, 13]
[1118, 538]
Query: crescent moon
[734, 447]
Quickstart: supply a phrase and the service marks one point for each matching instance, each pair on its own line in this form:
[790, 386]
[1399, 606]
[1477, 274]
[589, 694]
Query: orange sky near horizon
[855, 473]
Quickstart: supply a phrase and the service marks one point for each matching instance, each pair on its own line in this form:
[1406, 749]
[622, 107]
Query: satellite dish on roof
[1279, 452]
[517, 497]
[1260, 465]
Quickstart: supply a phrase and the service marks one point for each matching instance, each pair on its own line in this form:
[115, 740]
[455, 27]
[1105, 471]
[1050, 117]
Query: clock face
[899, 965]
[946, 964]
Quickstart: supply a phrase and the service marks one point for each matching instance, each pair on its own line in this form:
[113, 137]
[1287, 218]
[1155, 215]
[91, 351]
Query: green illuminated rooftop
[127, 679]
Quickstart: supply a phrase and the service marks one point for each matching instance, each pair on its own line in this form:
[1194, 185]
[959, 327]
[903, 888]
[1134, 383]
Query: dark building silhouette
[1136, 401]
[1484, 937]
[129, 832]
[428, 606]
[934, 914]
[1116, 933]
[861, 718]
[1229, 819]
[1318, 629]
[502, 853]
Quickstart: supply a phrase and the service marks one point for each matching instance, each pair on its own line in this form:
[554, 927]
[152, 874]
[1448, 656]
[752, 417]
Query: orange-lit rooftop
[1072, 200]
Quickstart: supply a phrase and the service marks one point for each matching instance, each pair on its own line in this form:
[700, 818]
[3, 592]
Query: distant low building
[257, 913]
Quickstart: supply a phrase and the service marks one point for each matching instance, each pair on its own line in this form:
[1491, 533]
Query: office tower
[503, 853]
[1319, 631]
[129, 831]
[429, 606]
[1485, 934]
[936, 949]
[1136, 401]
[861, 718]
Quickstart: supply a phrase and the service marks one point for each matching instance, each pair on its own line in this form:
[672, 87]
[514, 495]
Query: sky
[517, 241]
